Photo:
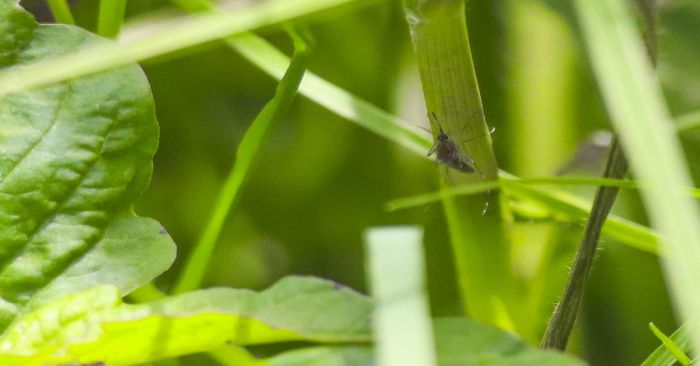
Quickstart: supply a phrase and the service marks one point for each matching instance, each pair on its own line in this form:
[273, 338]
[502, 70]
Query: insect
[446, 152]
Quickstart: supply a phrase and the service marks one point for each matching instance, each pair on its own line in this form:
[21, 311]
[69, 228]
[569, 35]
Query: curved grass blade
[246, 155]
[74, 158]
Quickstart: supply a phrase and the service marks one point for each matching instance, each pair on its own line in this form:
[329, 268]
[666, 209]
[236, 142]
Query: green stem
[565, 314]
[61, 11]
[111, 17]
[480, 248]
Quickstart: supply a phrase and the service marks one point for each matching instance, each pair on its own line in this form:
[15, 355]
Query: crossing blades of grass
[670, 345]
[662, 355]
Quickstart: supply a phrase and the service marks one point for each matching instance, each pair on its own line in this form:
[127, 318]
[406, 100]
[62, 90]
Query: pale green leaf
[95, 326]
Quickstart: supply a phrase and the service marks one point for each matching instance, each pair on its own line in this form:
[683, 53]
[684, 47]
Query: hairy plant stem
[562, 322]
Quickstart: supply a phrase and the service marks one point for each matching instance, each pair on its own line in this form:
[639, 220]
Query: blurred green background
[322, 181]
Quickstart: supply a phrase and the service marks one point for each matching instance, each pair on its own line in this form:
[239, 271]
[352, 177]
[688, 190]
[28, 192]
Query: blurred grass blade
[190, 32]
[402, 326]
[636, 106]
[578, 209]
[662, 356]
[688, 121]
[428, 198]
[670, 345]
[110, 17]
[61, 12]
[246, 154]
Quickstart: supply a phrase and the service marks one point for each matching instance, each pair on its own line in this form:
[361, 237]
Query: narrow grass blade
[247, 152]
[662, 356]
[61, 11]
[671, 346]
[402, 327]
[638, 111]
[190, 32]
[111, 17]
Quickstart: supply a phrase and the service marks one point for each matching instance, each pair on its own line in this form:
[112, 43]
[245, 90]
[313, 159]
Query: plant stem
[61, 12]
[481, 251]
[111, 17]
[565, 314]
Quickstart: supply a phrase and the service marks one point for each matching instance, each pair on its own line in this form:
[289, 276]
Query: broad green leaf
[460, 342]
[73, 158]
[323, 356]
[402, 328]
[95, 326]
[464, 342]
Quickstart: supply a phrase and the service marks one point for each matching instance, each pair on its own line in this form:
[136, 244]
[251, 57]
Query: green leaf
[323, 356]
[465, 342]
[73, 158]
[94, 326]
[460, 342]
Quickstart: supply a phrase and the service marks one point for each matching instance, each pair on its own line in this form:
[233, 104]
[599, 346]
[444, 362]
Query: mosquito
[446, 152]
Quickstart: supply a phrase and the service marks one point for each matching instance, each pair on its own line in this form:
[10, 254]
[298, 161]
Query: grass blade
[192, 31]
[248, 150]
[662, 356]
[61, 12]
[402, 326]
[111, 17]
[671, 346]
[635, 103]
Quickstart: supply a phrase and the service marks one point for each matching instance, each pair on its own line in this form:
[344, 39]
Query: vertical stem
[479, 244]
[564, 316]
[61, 12]
[111, 17]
